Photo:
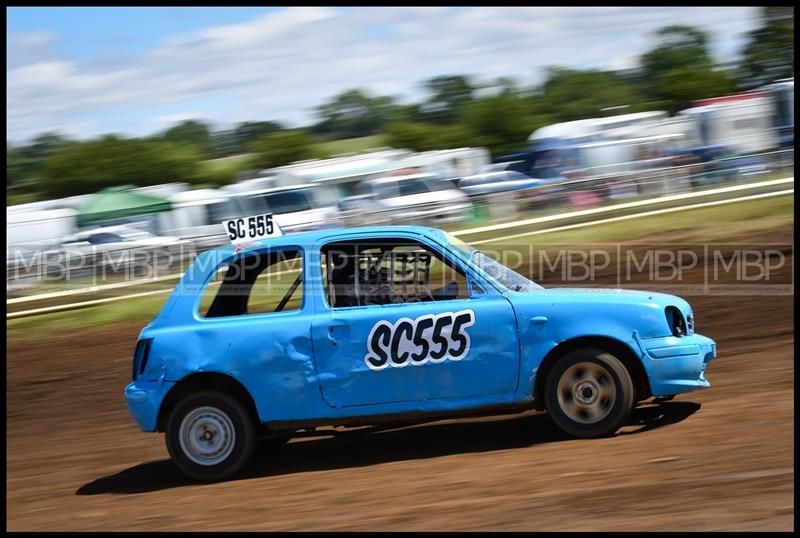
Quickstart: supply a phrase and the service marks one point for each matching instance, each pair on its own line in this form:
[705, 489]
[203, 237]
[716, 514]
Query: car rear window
[261, 283]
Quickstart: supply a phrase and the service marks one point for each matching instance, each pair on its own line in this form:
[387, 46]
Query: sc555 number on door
[429, 338]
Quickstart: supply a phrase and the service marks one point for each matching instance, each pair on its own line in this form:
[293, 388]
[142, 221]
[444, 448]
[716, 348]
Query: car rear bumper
[143, 399]
[677, 364]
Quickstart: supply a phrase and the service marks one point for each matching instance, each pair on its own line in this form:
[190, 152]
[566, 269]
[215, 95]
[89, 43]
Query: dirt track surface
[713, 460]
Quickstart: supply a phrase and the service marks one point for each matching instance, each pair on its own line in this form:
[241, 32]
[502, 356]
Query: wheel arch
[619, 349]
[204, 381]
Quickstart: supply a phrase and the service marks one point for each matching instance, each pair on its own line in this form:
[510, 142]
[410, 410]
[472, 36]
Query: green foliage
[282, 148]
[219, 172]
[409, 135]
[193, 134]
[449, 95]
[679, 69]
[87, 167]
[44, 145]
[500, 123]
[681, 86]
[225, 144]
[351, 145]
[417, 136]
[250, 131]
[19, 167]
[570, 95]
[355, 114]
[769, 53]
[678, 46]
[23, 164]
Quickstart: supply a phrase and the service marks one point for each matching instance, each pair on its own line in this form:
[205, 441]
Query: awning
[119, 203]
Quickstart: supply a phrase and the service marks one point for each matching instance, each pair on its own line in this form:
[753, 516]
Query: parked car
[373, 325]
[412, 198]
[499, 167]
[501, 181]
[122, 248]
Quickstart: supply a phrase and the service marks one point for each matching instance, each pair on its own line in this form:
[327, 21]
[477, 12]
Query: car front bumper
[143, 399]
[676, 364]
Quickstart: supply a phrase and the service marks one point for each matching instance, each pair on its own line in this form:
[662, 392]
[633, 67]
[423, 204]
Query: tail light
[140, 357]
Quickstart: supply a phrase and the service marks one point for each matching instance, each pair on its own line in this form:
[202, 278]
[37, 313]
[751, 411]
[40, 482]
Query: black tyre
[589, 393]
[210, 435]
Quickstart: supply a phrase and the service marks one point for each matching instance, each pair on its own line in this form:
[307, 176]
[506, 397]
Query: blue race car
[382, 324]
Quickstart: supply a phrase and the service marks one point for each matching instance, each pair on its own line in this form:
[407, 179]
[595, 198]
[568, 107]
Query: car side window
[260, 283]
[388, 271]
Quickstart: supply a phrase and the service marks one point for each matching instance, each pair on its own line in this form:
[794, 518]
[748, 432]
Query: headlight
[675, 321]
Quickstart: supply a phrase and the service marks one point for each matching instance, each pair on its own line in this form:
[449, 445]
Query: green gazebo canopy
[118, 203]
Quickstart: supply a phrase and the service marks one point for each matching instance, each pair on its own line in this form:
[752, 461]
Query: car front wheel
[589, 393]
[210, 435]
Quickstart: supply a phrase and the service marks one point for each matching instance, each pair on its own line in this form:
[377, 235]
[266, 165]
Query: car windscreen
[220, 211]
[410, 187]
[505, 276]
[288, 201]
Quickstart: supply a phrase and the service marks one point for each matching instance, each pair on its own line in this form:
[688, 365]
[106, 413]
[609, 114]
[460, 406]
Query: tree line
[458, 111]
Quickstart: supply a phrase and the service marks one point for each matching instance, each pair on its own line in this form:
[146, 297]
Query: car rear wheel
[210, 435]
[589, 393]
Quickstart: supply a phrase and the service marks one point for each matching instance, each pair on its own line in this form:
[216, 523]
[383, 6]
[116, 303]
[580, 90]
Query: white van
[296, 208]
[417, 198]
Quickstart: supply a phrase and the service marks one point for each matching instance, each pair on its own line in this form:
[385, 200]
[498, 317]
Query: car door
[457, 338]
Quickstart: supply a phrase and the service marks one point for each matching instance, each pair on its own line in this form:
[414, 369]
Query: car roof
[306, 238]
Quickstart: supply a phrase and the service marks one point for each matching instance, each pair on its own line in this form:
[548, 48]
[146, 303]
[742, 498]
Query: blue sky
[134, 71]
[87, 32]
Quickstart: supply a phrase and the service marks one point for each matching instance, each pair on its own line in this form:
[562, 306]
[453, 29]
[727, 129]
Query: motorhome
[782, 92]
[593, 128]
[743, 122]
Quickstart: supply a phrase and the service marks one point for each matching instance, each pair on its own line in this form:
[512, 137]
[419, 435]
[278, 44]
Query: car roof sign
[252, 228]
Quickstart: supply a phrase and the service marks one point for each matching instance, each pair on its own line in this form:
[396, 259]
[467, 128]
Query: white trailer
[39, 229]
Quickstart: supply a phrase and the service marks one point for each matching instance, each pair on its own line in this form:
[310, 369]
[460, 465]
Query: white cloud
[281, 65]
